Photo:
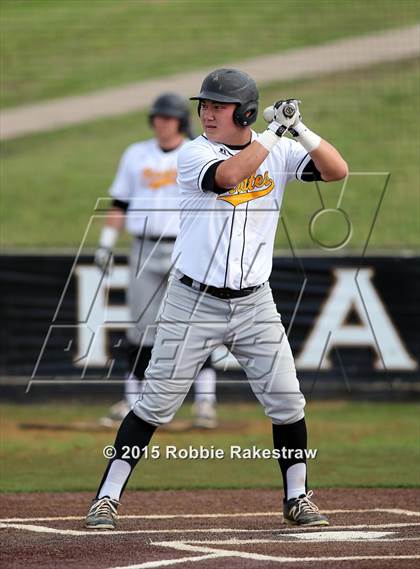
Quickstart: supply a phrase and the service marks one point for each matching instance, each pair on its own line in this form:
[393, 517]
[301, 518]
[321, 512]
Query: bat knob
[289, 110]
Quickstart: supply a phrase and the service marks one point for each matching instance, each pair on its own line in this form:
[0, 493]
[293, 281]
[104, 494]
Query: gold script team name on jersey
[252, 188]
[155, 179]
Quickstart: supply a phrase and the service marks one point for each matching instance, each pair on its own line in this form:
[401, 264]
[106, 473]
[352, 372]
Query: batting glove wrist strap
[108, 237]
[308, 139]
[271, 136]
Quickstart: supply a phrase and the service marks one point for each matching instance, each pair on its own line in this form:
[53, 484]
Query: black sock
[133, 432]
[292, 436]
[138, 362]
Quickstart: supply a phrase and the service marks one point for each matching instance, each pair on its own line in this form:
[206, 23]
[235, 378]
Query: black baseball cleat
[302, 512]
[102, 514]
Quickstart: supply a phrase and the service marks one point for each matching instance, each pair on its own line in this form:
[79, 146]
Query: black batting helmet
[173, 105]
[232, 86]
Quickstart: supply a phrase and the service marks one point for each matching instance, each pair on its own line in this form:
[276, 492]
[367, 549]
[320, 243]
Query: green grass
[357, 113]
[359, 444]
[50, 182]
[52, 49]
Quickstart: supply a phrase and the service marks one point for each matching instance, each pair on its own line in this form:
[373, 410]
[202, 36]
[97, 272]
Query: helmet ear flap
[246, 114]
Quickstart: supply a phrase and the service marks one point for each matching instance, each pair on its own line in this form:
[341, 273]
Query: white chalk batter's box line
[396, 511]
[276, 530]
[22, 524]
[213, 553]
[207, 553]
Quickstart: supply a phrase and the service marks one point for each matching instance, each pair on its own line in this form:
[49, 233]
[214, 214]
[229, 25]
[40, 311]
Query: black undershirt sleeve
[120, 204]
[311, 173]
[209, 183]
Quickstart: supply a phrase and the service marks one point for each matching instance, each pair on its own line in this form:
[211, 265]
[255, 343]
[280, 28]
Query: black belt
[219, 292]
[155, 239]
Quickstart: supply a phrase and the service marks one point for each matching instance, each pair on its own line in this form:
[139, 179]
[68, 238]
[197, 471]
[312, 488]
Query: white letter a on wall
[375, 329]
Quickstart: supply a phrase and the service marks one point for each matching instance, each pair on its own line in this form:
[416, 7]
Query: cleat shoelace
[103, 508]
[305, 506]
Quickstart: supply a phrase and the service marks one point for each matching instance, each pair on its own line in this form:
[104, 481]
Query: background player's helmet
[232, 86]
[173, 105]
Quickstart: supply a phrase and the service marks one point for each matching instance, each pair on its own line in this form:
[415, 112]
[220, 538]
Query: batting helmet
[232, 86]
[173, 105]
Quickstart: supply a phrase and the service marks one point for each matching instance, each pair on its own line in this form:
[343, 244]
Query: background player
[232, 183]
[146, 201]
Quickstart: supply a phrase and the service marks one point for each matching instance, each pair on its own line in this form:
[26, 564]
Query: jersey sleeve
[209, 179]
[297, 158]
[194, 160]
[121, 187]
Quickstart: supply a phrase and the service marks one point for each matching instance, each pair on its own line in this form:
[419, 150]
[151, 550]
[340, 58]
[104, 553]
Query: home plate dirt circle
[210, 529]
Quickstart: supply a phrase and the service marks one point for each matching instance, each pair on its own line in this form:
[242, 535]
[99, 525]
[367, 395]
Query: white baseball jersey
[227, 240]
[146, 181]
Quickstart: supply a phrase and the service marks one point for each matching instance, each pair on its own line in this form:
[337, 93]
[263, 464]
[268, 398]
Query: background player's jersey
[146, 181]
[227, 240]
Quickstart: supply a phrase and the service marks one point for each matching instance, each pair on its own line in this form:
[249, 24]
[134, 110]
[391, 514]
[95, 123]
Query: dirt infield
[206, 529]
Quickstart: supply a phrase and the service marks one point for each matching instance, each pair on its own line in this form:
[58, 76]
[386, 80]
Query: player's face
[165, 127]
[217, 121]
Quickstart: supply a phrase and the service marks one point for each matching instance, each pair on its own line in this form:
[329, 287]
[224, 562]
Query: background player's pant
[150, 264]
[192, 325]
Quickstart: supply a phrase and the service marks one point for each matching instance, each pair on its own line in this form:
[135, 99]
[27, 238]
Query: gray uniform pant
[192, 324]
[150, 264]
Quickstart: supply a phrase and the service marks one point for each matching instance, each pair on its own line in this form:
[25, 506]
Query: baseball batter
[146, 201]
[232, 182]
